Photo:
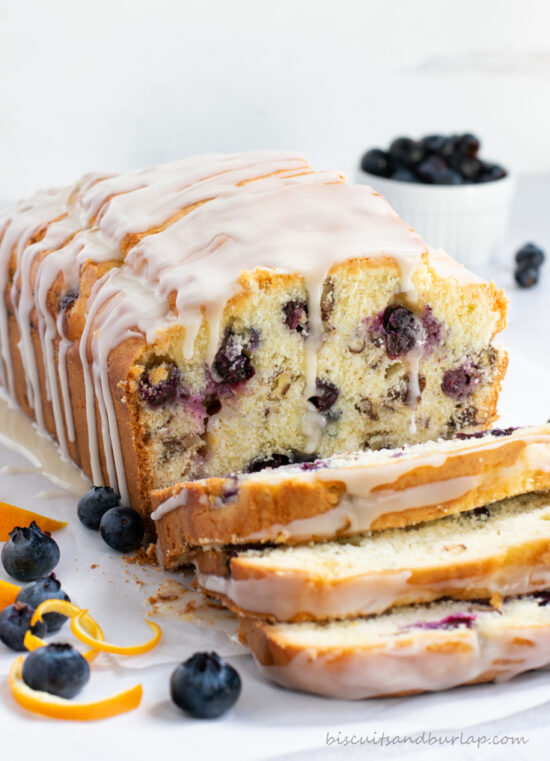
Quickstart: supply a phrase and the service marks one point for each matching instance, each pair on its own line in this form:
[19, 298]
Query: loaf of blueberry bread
[492, 552]
[228, 312]
[408, 650]
[346, 495]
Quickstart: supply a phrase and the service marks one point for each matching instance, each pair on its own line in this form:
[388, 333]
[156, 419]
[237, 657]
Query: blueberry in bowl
[205, 686]
[29, 553]
[434, 160]
[443, 187]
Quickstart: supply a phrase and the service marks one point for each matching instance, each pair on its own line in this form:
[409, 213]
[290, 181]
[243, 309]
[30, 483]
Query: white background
[113, 84]
[97, 84]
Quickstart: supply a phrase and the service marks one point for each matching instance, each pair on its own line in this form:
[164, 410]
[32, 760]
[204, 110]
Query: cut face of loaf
[495, 551]
[223, 313]
[409, 650]
[351, 494]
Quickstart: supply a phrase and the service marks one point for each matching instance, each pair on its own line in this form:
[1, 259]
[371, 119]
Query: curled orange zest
[59, 708]
[89, 625]
[32, 642]
[78, 629]
[8, 593]
[11, 516]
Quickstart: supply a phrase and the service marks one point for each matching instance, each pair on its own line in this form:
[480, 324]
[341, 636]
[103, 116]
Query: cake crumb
[143, 556]
[177, 601]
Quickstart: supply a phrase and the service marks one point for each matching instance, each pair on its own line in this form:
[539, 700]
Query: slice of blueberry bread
[226, 312]
[494, 551]
[351, 494]
[409, 650]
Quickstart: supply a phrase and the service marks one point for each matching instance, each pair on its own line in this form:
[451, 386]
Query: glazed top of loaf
[177, 237]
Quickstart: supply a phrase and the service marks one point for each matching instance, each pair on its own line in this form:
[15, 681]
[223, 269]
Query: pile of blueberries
[204, 686]
[434, 160]
[30, 555]
[120, 527]
[529, 260]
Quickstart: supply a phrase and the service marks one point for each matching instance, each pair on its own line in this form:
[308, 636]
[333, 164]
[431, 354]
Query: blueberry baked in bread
[229, 312]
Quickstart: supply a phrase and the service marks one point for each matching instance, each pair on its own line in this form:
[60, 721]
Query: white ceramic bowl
[467, 221]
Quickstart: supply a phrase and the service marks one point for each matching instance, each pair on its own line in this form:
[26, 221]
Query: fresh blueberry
[491, 172]
[326, 397]
[159, 385]
[460, 381]
[122, 529]
[48, 588]
[232, 363]
[58, 669]
[29, 553]
[377, 162]
[527, 277]
[440, 145]
[402, 331]
[468, 145]
[469, 169]
[94, 504]
[530, 255]
[407, 152]
[295, 316]
[403, 174]
[15, 621]
[205, 686]
[435, 171]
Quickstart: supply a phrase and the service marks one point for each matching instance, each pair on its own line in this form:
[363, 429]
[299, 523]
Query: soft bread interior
[482, 533]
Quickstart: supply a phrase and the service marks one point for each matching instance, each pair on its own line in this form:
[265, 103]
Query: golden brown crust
[206, 521]
[320, 669]
[122, 360]
[424, 585]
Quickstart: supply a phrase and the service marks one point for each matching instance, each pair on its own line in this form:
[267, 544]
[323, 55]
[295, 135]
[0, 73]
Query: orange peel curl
[58, 708]
[79, 630]
[11, 516]
[88, 624]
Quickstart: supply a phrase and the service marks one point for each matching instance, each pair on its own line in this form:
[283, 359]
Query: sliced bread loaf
[496, 551]
[351, 494]
[409, 650]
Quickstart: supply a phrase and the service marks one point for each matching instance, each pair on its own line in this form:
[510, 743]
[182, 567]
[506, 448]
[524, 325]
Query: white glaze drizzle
[367, 475]
[287, 596]
[355, 514]
[18, 433]
[177, 500]
[189, 229]
[499, 644]
[340, 589]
